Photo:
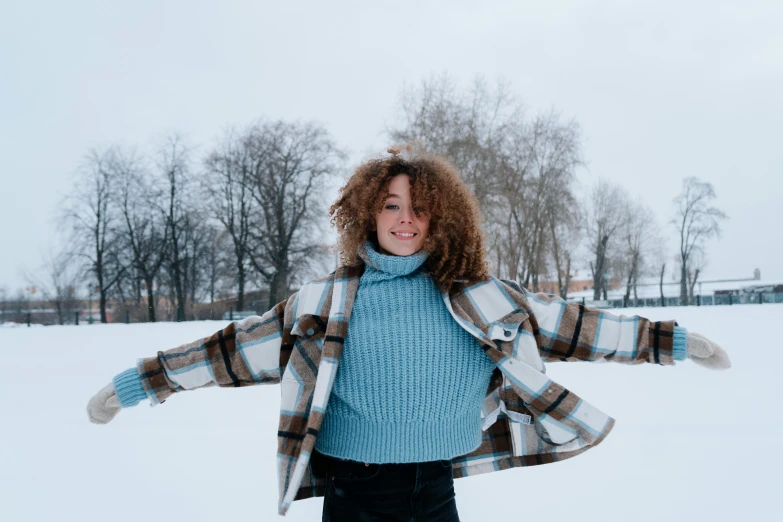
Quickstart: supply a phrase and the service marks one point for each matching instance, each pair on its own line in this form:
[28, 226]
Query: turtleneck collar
[392, 265]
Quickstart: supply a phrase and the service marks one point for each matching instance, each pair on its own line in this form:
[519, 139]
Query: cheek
[380, 222]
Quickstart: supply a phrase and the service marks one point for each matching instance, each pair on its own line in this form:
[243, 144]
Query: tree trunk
[663, 271]
[564, 290]
[598, 273]
[212, 279]
[693, 284]
[103, 306]
[137, 289]
[101, 288]
[178, 290]
[631, 278]
[277, 287]
[559, 283]
[683, 283]
[556, 255]
[150, 300]
[241, 282]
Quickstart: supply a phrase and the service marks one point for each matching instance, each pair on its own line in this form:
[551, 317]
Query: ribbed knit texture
[127, 386]
[411, 381]
[680, 348]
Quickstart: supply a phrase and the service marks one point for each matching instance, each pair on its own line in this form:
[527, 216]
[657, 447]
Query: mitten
[104, 405]
[706, 353]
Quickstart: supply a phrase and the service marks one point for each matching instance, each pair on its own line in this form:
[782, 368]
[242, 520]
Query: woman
[415, 402]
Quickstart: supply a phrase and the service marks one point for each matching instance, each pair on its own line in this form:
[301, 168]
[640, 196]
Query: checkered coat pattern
[528, 418]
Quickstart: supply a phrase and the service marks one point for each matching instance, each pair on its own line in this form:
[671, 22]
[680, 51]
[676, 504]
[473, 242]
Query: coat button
[507, 333]
[310, 331]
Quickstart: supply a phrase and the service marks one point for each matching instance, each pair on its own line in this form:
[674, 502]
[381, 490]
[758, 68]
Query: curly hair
[455, 243]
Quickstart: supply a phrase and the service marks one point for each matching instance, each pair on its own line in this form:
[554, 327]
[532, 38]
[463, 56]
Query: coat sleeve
[252, 351]
[572, 332]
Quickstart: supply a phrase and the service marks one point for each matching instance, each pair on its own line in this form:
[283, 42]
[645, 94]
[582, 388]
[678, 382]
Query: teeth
[402, 234]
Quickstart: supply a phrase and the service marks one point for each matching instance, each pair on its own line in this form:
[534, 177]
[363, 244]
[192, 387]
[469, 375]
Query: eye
[391, 207]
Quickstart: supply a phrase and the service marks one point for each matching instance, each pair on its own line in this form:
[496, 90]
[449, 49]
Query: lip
[400, 238]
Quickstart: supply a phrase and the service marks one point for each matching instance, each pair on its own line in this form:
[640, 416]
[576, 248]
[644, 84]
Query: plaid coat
[528, 418]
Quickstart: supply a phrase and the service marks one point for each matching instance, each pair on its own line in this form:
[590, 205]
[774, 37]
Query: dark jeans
[420, 492]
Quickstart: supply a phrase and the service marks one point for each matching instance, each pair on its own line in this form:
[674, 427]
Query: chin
[402, 250]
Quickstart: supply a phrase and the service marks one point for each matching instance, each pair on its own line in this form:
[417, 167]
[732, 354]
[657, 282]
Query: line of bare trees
[522, 169]
[168, 225]
[160, 232]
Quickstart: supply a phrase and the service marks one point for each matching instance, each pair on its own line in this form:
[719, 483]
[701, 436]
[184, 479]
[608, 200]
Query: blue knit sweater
[411, 381]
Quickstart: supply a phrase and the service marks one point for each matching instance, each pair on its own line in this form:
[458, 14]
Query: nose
[406, 216]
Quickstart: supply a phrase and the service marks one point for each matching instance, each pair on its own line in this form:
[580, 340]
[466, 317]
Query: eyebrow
[392, 196]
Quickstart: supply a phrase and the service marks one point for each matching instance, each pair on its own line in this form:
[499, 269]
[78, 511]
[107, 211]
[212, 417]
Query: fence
[698, 300]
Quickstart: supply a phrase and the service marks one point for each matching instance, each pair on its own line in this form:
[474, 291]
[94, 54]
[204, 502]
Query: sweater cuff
[680, 349]
[128, 388]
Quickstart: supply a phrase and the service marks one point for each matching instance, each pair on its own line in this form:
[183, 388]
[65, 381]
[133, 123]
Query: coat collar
[490, 310]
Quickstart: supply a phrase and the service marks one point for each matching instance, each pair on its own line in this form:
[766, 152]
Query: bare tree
[231, 171]
[697, 262]
[218, 262]
[173, 164]
[564, 234]
[696, 221]
[606, 213]
[58, 287]
[91, 219]
[554, 153]
[663, 272]
[198, 245]
[640, 239]
[516, 168]
[468, 127]
[287, 187]
[144, 228]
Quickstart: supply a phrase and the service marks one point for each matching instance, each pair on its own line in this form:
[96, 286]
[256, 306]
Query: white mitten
[104, 405]
[706, 353]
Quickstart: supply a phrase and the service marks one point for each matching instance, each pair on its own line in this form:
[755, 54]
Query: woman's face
[400, 231]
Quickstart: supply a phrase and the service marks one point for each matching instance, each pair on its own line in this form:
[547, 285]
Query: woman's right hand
[104, 405]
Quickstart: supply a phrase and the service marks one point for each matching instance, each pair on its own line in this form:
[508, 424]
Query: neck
[394, 265]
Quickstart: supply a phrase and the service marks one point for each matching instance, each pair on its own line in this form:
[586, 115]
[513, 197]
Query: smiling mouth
[404, 235]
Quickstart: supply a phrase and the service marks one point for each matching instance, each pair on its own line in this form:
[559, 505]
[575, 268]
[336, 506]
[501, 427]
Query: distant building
[748, 290]
[581, 281]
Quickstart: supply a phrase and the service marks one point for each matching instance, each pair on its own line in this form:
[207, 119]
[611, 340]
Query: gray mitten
[104, 405]
[706, 353]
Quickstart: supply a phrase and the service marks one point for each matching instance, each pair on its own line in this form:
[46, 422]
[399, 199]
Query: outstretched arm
[572, 332]
[244, 353]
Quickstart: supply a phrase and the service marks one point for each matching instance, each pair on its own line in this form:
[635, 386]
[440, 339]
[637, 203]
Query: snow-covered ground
[689, 444]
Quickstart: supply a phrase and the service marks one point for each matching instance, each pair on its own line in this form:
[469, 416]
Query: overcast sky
[662, 90]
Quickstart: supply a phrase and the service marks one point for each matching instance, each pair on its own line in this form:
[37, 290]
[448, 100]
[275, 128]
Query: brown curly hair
[455, 243]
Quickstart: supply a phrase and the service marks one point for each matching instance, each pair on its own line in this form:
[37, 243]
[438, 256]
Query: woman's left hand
[706, 353]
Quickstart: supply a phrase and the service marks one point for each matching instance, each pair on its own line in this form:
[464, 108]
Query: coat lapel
[340, 303]
[487, 311]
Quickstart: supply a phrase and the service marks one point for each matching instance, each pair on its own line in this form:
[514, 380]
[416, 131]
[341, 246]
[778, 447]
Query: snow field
[689, 444]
